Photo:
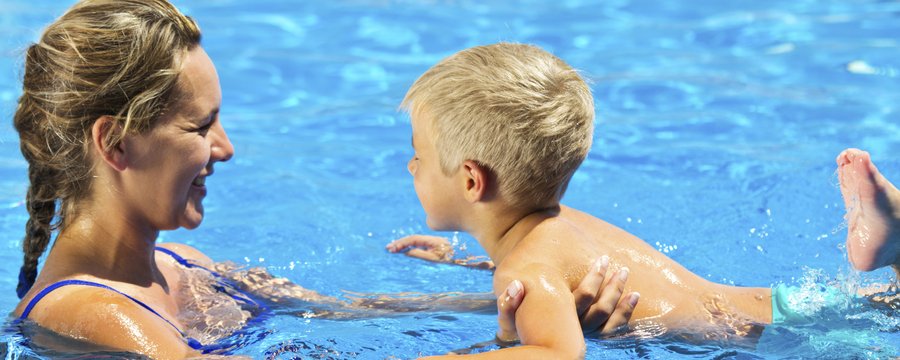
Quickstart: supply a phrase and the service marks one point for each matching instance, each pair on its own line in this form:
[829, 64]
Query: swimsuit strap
[185, 262]
[193, 343]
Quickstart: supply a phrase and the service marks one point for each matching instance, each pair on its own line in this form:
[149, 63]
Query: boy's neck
[500, 229]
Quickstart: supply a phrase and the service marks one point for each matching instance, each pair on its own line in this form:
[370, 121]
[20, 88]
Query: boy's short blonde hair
[516, 109]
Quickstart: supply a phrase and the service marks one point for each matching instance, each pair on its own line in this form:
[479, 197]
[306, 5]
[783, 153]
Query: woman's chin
[191, 225]
[192, 217]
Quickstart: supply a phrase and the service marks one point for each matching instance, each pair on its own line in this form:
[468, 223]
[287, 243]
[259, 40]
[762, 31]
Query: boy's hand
[425, 247]
[603, 312]
[436, 249]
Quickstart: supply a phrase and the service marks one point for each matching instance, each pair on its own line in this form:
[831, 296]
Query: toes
[854, 167]
[846, 156]
[842, 158]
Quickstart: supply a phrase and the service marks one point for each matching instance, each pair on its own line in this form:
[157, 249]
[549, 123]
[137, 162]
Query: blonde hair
[117, 58]
[514, 108]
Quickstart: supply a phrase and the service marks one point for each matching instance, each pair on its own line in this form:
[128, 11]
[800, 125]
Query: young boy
[498, 132]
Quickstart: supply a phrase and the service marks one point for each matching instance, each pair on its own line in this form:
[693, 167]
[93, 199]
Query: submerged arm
[603, 311]
[289, 295]
[600, 311]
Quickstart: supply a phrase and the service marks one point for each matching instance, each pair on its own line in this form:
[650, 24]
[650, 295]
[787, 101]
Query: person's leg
[873, 212]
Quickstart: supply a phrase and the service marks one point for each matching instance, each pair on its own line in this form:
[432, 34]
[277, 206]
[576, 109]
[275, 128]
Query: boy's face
[438, 193]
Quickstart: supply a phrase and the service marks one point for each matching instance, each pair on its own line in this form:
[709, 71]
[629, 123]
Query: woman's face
[169, 164]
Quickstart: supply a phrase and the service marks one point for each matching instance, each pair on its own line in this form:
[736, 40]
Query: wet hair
[514, 108]
[115, 58]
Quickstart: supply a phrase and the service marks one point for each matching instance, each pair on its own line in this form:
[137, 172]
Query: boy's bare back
[558, 246]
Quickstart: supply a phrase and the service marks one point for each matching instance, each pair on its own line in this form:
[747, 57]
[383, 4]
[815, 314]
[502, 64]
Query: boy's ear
[113, 154]
[476, 177]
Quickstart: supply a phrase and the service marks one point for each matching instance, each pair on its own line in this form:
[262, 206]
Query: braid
[41, 198]
[41, 209]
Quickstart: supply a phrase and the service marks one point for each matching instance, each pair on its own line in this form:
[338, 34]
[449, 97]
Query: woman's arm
[600, 312]
[287, 295]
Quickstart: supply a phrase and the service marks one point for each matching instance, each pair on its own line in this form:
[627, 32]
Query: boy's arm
[436, 249]
[546, 321]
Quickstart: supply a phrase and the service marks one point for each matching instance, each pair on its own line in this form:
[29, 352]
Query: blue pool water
[718, 124]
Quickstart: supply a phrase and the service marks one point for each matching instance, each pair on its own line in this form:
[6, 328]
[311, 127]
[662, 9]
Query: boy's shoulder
[544, 250]
[551, 237]
[528, 272]
[554, 246]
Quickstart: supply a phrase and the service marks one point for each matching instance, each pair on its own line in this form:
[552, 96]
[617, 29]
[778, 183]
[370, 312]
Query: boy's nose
[411, 166]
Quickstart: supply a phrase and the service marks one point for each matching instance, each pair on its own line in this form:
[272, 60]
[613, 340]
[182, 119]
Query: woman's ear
[476, 177]
[112, 153]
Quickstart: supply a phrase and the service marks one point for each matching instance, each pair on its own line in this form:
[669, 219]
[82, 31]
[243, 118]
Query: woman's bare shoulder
[108, 319]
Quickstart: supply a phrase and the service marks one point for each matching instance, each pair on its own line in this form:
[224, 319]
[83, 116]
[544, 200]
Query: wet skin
[149, 182]
[873, 212]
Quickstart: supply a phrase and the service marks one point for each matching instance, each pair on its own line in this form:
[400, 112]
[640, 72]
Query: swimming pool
[717, 129]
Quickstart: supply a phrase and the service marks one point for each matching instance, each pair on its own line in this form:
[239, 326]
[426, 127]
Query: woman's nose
[222, 150]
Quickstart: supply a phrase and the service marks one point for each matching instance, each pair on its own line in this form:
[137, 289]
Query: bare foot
[873, 212]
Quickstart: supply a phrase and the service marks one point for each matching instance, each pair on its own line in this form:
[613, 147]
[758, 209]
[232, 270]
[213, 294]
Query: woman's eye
[204, 129]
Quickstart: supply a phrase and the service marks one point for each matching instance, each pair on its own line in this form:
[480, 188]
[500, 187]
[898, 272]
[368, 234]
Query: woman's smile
[199, 182]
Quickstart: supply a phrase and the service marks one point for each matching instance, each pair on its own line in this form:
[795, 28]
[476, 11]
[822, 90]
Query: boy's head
[515, 109]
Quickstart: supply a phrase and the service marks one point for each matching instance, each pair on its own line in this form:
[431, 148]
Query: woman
[119, 123]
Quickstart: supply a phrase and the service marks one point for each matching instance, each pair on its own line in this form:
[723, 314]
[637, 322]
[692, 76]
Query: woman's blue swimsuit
[221, 285]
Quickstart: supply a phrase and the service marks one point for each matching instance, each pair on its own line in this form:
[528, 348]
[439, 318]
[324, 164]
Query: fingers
[587, 290]
[422, 241]
[506, 311]
[424, 255]
[483, 265]
[600, 312]
[618, 321]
